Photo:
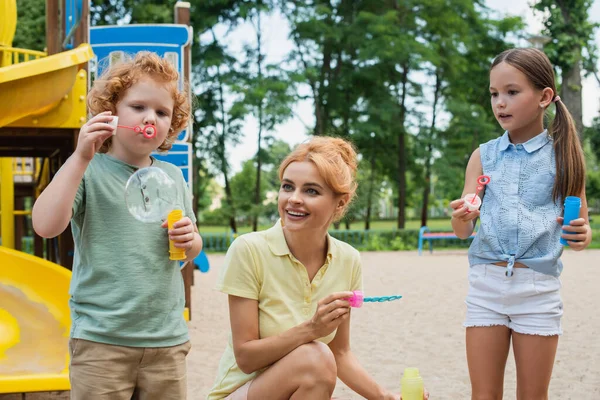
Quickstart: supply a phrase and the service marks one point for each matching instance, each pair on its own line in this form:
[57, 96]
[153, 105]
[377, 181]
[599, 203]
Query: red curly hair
[111, 86]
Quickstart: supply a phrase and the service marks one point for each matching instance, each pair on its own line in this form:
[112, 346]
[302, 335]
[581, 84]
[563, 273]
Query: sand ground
[424, 329]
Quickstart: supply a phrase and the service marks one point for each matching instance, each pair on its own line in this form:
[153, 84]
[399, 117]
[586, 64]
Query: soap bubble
[150, 194]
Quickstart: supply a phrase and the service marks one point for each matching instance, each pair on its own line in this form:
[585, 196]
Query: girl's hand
[92, 134]
[580, 230]
[182, 233]
[461, 212]
[331, 312]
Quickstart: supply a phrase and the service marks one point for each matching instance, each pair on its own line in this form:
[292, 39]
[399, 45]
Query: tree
[31, 25]
[218, 120]
[449, 29]
[572, 48]
[472, 121]
[266, 92]
[114, 12]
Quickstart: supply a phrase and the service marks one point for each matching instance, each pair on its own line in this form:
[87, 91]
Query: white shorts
[528, 302]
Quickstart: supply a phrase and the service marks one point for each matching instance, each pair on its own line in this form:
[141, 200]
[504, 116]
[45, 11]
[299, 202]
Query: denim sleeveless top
[518, 214]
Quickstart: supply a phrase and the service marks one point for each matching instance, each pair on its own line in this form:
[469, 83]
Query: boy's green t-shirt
[124, 289]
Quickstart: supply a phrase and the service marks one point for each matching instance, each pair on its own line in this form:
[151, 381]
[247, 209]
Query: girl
[515, 256]
[128, 334]
[290, 322]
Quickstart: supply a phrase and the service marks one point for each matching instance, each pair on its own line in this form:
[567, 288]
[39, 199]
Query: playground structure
[43, 97]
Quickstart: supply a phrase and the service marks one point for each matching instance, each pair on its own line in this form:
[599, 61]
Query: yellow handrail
[15, 55]
[20, 167]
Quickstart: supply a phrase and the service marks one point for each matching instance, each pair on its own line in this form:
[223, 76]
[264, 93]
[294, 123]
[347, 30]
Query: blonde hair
[570, 161]
[110, 88]
[336, 162]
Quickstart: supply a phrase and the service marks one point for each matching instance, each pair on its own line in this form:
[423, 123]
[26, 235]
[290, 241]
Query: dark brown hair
[570, 161]
[110, 88]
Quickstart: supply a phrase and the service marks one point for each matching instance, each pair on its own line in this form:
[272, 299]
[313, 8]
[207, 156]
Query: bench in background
[426, 234]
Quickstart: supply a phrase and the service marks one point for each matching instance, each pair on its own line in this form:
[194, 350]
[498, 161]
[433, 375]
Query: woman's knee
[316, 363]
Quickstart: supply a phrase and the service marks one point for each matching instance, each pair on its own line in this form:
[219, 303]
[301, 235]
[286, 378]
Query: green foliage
[31, 25]
[113, 12]
[371, 70]
[567, 23]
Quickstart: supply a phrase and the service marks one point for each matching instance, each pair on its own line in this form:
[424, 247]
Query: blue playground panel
[72, 18]
[180, 155]
[166, 40]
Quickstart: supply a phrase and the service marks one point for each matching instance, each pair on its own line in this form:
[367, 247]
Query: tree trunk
[229, 199]
[429, 152]
[224, 165]
[257, 197]
[370, 194]
[322, 109]
[402, 150]
[570, 93]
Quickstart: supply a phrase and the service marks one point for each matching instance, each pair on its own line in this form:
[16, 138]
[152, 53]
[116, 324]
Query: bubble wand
[472, 200]
[358, 298]
[149, 131]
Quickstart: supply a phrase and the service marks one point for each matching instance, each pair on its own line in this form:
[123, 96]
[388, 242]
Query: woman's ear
[547, 97]
[343, 200]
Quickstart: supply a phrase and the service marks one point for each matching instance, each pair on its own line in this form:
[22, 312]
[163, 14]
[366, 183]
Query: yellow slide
[34, 323]
[47, 92]
[36, 90]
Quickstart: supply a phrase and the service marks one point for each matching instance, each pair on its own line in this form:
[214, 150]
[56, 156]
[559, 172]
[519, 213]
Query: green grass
[433, 224]
[437, 224]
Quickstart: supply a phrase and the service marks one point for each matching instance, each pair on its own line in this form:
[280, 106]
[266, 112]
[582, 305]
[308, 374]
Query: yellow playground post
[43, 98]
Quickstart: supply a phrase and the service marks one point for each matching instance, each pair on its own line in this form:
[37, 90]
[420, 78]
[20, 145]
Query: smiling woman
[288, 288]
[317, 183]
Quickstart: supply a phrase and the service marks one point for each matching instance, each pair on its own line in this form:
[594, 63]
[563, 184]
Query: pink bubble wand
[358, 298]
[149, 131]
[472, 200]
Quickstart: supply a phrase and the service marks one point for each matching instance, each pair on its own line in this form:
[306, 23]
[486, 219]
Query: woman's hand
[331, 312]
[578, 237]
[425, 396]
[92, 134]
[182, 234]
[393, 396]
[461, 212]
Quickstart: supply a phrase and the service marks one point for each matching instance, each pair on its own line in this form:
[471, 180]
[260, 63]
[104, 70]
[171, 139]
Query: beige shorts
[101, 371]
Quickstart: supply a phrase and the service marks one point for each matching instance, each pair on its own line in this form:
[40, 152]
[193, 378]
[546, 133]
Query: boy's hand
[578, 233]
[182, 234]
[461, 212]
[93, 134]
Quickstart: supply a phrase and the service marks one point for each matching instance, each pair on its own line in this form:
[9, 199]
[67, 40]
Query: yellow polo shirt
[259, 266]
